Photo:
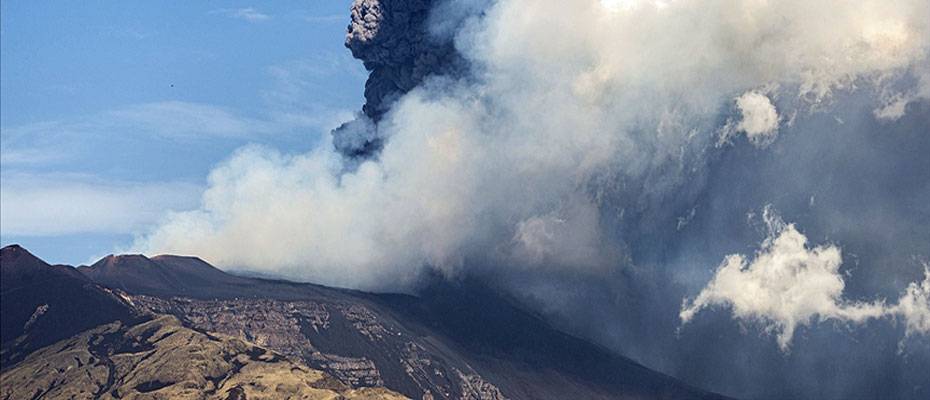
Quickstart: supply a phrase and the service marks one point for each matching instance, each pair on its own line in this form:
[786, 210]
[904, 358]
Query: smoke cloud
[566, 96]
[572, 154]
[914, 306]
[789, 284]
[758, 120]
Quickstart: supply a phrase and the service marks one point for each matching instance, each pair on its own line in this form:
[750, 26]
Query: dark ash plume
[394, 42]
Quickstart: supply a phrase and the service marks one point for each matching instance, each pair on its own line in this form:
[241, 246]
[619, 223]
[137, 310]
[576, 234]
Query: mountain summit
[165, 274]
[42, 304]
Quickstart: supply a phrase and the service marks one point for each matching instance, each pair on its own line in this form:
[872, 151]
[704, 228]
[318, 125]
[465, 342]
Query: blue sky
[114, 113]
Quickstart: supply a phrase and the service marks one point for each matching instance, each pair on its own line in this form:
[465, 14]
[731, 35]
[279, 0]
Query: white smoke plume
[565, 101]
[789, 284]
[894, 102]
[758, 120]
[914, 306]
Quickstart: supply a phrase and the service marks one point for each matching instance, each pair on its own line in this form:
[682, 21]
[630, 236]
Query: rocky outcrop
[161, 359]
[354, 342]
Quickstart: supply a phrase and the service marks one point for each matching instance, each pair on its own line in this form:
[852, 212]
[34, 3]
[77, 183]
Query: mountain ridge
[45, 303]
[453, 341]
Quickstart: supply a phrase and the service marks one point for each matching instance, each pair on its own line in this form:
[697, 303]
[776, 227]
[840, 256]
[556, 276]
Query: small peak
[16, 256]
[15, 250]
[110, 259]
[121, 260]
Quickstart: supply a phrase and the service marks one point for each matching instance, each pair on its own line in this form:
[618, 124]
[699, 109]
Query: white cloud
[247, 14]
[914, 306]
[326, 18]
[790, 284]
[28, 156]
[164, 119]
[58, 204]
[572, 101]
[894, 103]
[630, 5]
[759, 118]
[50, 142]
[893, 107]
[178, 118]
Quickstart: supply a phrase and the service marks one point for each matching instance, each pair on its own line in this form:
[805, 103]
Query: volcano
[452, 341]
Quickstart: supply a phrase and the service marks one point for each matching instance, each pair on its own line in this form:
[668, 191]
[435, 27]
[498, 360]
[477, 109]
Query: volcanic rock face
[357, 342]
[393, 41]
[161, 359]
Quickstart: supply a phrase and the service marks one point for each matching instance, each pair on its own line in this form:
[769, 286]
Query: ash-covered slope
[451, 343]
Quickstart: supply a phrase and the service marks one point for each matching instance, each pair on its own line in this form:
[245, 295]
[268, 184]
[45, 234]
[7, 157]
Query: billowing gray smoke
[395, 43]
[736, 192]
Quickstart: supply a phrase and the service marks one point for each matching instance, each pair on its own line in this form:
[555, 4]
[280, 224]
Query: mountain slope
[43, 304]
[450, 343]
[160, 359]
[512, 347]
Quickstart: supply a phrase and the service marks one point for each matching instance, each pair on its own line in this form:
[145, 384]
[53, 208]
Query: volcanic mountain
[44, 303]
[165, 275]
[453, 341]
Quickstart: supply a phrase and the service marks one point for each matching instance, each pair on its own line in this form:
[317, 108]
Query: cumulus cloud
[914, 306]
[567, 111]
[789, 284]
[758, 119]
[785, 285]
